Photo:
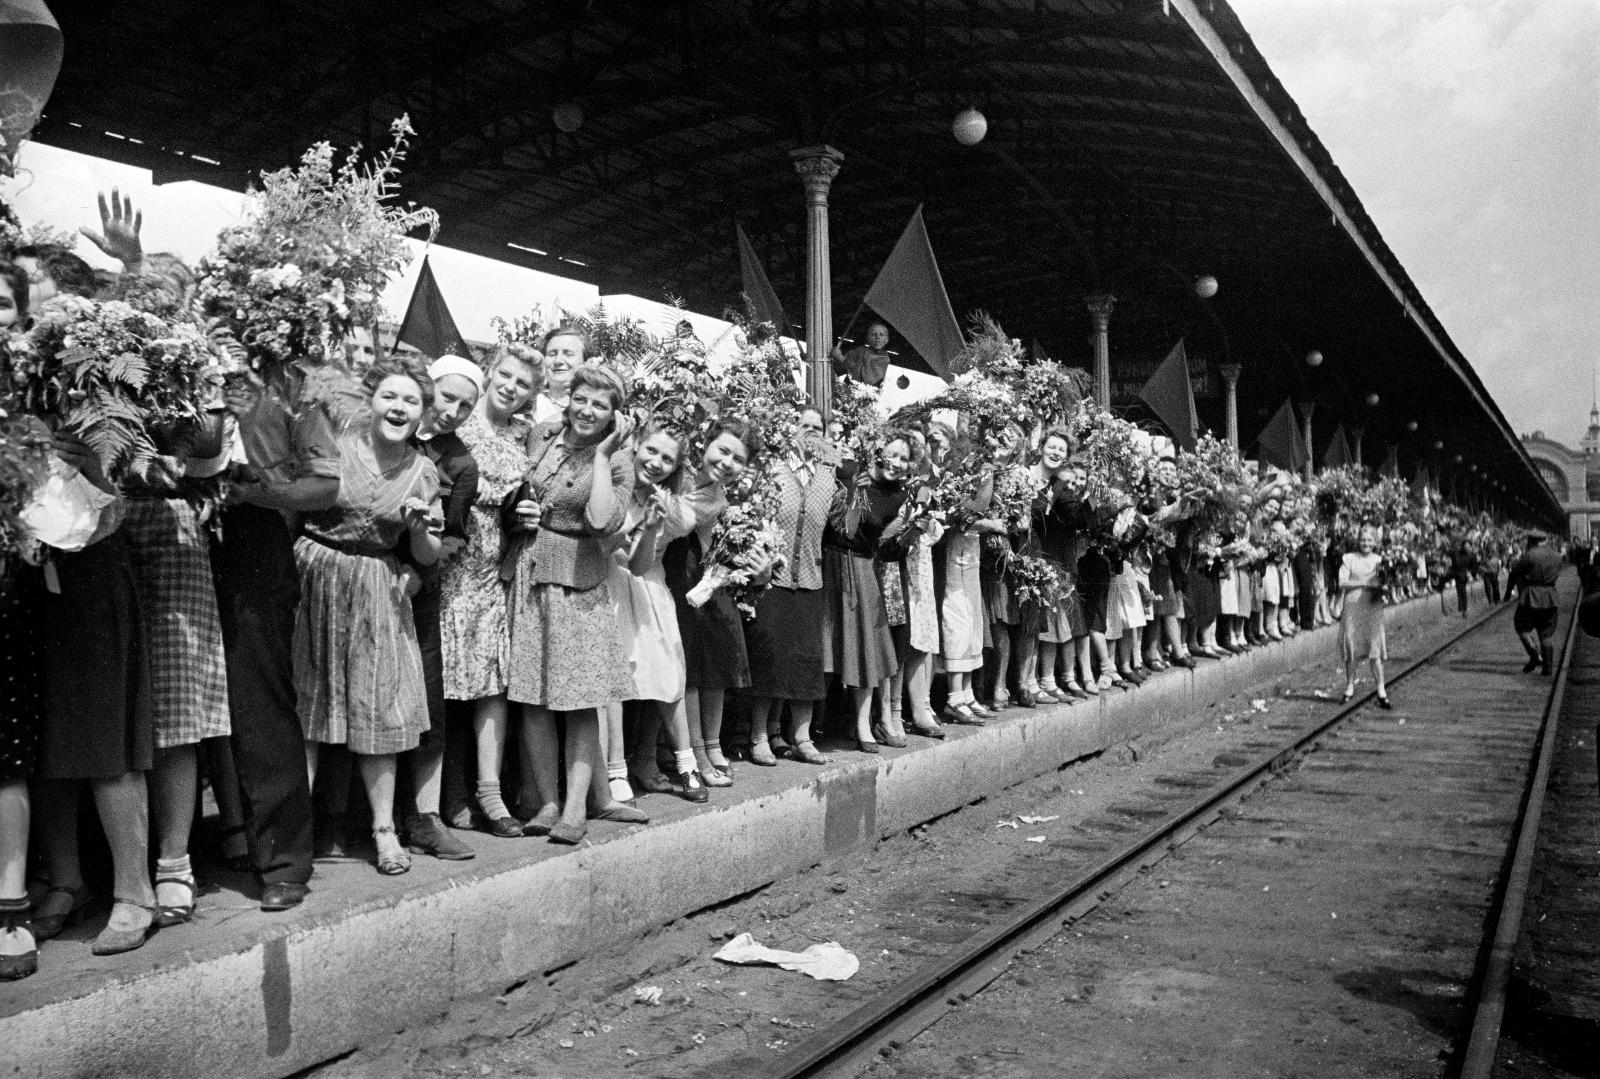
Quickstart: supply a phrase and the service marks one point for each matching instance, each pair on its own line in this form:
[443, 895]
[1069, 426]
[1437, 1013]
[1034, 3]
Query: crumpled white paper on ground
[826, 962]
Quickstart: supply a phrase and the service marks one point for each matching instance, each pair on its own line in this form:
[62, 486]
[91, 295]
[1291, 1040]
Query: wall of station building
[1573, 474]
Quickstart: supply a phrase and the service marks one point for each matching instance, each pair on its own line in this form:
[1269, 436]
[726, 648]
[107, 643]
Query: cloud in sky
[1470, 129]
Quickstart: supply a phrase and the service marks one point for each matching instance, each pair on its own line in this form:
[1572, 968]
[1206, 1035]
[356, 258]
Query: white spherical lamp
[1314, 358]
[568, 116]
[1205, 286]
[1372, 400]
[1439, 445]
[1411, 425]
[969, 127]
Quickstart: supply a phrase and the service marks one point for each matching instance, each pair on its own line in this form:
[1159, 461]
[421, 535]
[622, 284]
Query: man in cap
[1533, 578]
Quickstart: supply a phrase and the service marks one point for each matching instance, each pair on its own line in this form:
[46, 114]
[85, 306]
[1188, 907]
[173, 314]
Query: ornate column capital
[1100, 307]
[1231, 372]
[817, 166]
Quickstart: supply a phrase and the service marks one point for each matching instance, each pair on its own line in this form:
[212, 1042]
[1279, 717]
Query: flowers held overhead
[318, 244]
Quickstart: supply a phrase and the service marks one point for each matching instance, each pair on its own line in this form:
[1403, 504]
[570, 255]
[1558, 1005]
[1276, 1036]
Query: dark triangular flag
[1171, 397]
[1421, 481]
[763, 300]
[1337, 455]
[1391, 464]
[1280, 441]
[909, 294]
[428, 327]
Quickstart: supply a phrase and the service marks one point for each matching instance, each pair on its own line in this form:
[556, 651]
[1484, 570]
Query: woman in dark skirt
[21, 702]
[713, 635]
[98, 728]
[1203, 603]
[865, 525]
[784, 640]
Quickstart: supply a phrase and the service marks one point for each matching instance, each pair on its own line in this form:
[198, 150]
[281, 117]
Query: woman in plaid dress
[169, 549]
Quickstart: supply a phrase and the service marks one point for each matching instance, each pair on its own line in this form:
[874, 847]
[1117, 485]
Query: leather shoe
[1025, 699]
[283, 895]
[931, 730]
[622, 813]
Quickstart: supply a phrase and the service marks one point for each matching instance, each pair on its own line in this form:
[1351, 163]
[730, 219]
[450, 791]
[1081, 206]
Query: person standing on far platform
[867, 363]
[1533, 578]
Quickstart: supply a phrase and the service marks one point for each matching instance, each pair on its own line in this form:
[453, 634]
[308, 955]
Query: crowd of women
[515, 596]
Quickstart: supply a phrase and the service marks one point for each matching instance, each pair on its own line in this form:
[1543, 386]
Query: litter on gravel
[828, 962]
[648, 994]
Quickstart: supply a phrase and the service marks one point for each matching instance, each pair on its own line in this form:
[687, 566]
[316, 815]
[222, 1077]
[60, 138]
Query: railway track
[890, 1022]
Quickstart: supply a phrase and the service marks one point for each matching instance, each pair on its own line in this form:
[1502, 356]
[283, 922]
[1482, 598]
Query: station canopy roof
[1132, 146]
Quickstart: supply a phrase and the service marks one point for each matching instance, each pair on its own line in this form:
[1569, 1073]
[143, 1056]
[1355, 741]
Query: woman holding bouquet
[713, 636]
[865, 524]
[785, 637]
[648, 619]
[1057, 533]
[1361, 634]
[357, 665]
[566, 659]
[476, 643]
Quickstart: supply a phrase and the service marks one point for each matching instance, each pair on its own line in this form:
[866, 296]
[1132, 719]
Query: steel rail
[908, 1008]
[1495, 973]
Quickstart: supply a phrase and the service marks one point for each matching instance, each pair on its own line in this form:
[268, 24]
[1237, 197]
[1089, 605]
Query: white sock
[684, 760]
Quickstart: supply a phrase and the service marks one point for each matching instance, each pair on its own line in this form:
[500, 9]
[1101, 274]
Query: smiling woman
[358, 671]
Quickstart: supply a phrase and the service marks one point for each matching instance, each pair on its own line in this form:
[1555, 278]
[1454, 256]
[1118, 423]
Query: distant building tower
[1572, 474]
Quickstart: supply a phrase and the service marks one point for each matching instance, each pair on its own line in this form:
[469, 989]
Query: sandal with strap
[392, 863]
[170, 914]
[808, 753]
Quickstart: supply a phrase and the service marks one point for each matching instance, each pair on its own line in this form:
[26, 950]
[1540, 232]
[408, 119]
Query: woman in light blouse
[1361, 633]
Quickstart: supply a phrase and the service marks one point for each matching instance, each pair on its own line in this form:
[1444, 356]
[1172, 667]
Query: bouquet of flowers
[116, 377]
[1397, 566]
[1016, 489]
[314, 253]
[746, 550]
[1115, 457]
[1212, 483]
[1036, 583]
[760, 384]
[856, 410]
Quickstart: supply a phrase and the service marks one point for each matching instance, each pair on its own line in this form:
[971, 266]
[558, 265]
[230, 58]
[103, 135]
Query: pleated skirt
[357, 665]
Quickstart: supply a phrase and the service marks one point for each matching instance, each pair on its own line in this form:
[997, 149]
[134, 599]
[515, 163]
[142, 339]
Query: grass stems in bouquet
[317, 246]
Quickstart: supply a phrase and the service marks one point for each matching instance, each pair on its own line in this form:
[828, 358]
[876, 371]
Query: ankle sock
[490, 801]
[684, 761]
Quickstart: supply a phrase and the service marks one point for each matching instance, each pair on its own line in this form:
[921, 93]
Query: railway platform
[245, 993]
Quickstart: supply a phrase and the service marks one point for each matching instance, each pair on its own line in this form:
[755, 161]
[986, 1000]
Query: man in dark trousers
[293, 467]
[1533, 578]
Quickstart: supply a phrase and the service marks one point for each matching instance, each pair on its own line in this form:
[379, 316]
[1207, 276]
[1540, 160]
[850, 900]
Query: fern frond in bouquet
[308, 263]
[115, 377]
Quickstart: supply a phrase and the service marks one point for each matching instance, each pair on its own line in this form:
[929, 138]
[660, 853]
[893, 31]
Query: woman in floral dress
[476, 643]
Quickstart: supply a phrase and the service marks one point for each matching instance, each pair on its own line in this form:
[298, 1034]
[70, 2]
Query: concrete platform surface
[244, 993]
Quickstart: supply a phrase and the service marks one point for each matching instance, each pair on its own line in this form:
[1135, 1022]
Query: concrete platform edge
[317, 990]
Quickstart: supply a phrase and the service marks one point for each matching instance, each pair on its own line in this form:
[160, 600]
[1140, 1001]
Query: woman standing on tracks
[1361, 623]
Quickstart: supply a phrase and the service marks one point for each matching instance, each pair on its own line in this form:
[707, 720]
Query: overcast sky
[1470, 130]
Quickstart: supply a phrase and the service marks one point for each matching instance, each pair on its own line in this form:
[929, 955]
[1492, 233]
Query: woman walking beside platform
[1361, 634]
